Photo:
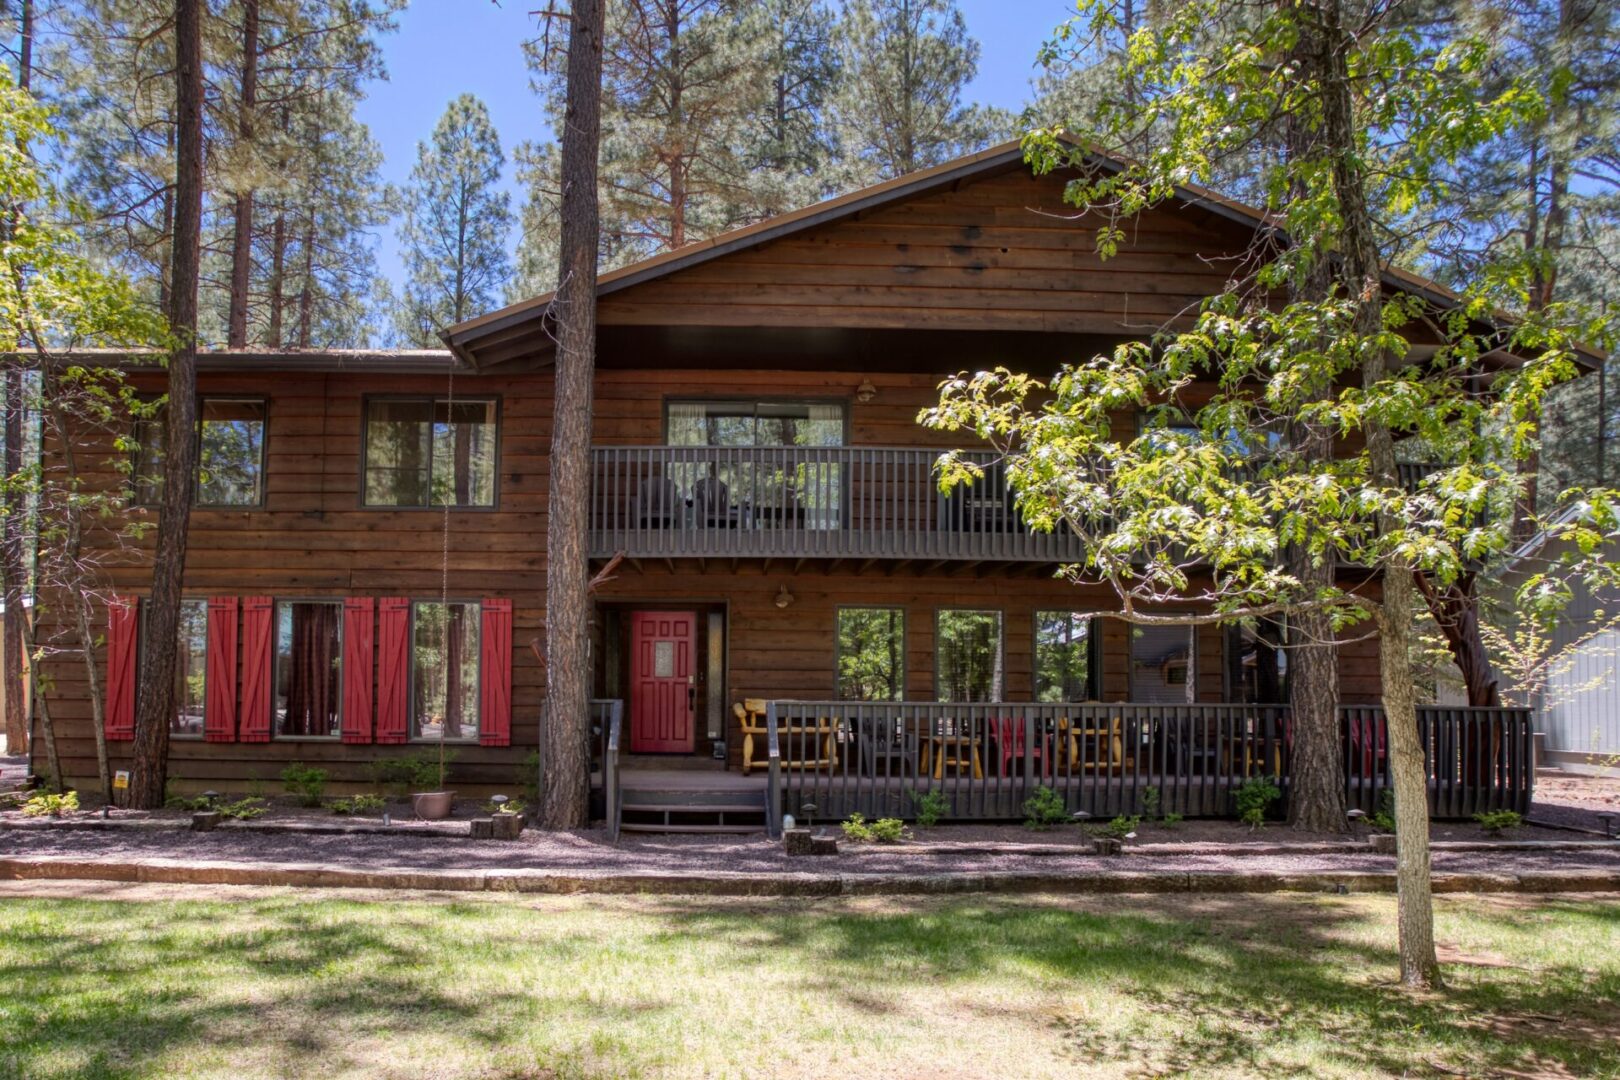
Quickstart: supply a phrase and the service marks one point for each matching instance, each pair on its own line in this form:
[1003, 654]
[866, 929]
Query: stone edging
[307, 875]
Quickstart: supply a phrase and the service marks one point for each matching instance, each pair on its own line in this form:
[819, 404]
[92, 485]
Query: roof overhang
[522, 327]
[355, 361]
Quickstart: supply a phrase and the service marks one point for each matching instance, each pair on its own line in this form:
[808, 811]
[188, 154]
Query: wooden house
[793, 608]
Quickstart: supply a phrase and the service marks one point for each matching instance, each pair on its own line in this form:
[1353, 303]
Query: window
[430, 452]
[1065, 648]
[967, 656]
[871, 654]
[444, 669]
[791, 491]
[1162, 665]
[1258, 662]
[309, 668]
[230, 453]
[190, 666]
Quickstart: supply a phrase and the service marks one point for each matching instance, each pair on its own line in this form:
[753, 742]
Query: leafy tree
[453, 237]
[1203, 503]
[899, 103]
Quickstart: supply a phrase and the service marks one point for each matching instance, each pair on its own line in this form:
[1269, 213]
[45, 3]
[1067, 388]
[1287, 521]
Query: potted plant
[430, 799]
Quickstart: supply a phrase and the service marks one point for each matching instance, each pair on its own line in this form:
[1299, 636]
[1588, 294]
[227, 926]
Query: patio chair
[796, 738]
[883, 749]
[658, 503]
[1105, 738]
[712, 501]
[1012, 739]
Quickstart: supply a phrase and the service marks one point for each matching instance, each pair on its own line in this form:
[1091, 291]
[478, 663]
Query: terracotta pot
[433, 805]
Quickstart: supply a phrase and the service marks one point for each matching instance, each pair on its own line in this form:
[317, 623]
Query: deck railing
[805, 502]
[986, 760]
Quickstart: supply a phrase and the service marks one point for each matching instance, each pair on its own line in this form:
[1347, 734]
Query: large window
[309, 668]
[444, 669]
[1163, 665]
[1065, 657]
[968, 656]
[802, 490]
[230, 453]
[871, 654]
[428, 452]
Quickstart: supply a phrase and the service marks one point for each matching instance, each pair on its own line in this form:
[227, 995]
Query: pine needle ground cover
[285, 983]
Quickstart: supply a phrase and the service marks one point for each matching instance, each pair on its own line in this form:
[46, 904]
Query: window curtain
[688, 426]
[313, 684]
[821, 483]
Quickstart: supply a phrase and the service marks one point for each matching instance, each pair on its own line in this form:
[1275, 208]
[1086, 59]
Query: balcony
[804, 502]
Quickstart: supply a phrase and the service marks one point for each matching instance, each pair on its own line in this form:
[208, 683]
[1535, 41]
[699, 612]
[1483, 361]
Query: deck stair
[690, 803]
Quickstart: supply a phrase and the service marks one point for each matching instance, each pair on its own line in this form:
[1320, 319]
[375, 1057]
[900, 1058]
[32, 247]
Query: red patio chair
[1010, 740]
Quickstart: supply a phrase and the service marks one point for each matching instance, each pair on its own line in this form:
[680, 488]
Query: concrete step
[653, 827]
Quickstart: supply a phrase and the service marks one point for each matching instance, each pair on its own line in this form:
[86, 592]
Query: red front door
[661, 684]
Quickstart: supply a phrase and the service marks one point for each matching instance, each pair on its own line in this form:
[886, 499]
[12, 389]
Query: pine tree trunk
[1316, 801]
[13, 565]
[566, 784]
[242, 240]
[1362, 282]
[278, 266]
[306, 291]
[154, 694]
[13, 569]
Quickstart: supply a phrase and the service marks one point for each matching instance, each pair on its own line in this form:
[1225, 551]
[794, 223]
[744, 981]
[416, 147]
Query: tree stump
[1382, 843]
[508, 826]
[206, 820]
[483, 828]
[1107, 845]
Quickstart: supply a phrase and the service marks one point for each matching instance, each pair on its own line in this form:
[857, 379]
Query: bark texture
[1455, 608]
[13, 565]
[154, 688]
[565, 785]
[1360, 270]
[242, 238]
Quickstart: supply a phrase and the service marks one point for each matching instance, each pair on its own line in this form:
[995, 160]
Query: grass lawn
[302, 983]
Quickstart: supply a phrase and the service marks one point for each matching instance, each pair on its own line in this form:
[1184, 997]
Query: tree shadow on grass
[97, 989]
[1235, 978]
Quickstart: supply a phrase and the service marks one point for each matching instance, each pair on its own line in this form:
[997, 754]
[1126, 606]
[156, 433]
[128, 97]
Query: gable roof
[523, 322]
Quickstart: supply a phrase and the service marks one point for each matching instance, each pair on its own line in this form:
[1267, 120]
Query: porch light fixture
[865, 392]
[783, 597]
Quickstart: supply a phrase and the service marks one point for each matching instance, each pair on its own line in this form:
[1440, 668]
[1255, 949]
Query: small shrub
[193, 804]
[418, 771]
[243, 809]
[529, 776]
[255, 788]
[1499, 821]
[889, 830]
[1254, 798]
[1044, 809]
[882, 831]
[359, 804]
[305, 781]
[1150, 802]
[931, 806]
[511, 806]
[1121, 827]
[1384, 820]
[1170, 821]
[50, 804]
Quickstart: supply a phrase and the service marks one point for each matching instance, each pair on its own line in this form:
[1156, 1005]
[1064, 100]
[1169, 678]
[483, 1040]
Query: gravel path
[589, 852]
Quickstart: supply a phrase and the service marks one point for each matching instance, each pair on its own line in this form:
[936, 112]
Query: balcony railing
[804, 502]
[813, 502]
[829, 759]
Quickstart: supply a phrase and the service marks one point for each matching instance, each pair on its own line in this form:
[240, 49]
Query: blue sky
[447, 47]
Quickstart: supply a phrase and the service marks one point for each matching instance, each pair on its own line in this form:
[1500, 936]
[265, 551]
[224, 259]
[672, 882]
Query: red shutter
[258, 624]
[358, 631]
[495, 677]
[219, 710]
[119, 718]
[393, 670]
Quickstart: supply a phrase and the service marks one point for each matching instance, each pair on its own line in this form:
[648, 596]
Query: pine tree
[453, 237]
[790, 144]
[899, 104]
